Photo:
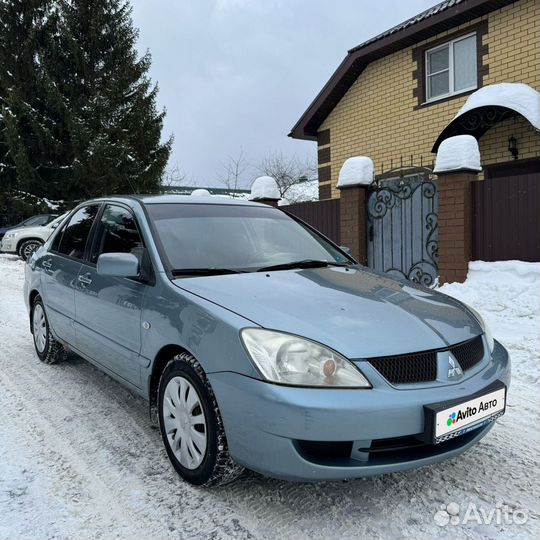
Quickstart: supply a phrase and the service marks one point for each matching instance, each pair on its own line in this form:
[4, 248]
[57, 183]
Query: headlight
[10, 235]
[485, 328]
[287, 359]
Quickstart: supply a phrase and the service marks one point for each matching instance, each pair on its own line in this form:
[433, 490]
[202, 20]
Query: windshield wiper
[213, 271]
[305, 263]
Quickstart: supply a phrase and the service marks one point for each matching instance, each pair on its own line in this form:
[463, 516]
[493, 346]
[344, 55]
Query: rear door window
[75, 235]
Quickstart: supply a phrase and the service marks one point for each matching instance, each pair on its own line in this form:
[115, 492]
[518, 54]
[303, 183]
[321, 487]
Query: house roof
[444, 16]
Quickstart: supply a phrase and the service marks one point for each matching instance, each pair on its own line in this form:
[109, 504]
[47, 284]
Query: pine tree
[115, 127]
[78, 114]
[33, 157]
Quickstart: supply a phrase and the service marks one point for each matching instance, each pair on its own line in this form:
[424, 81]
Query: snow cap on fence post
[458, 153]
[200, 192]
[355, 176]
[356, 171]
[265, 189]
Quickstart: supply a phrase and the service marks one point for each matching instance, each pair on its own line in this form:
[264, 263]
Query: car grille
[422, 367]
[409, 368]
[468, 354]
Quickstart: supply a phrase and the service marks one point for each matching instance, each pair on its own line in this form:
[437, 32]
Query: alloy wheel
[29, 249]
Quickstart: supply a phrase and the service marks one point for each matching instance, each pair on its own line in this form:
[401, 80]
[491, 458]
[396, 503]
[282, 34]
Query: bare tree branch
[235, 170]
[176, 176]
[287, 171]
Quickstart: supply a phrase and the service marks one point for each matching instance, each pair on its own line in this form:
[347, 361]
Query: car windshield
[35, 221]
[231, 238]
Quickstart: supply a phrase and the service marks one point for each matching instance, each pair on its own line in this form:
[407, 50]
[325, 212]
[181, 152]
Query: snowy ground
[78, 458]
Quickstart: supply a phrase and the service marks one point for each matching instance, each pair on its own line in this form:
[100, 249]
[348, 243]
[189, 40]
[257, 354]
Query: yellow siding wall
[376, 117]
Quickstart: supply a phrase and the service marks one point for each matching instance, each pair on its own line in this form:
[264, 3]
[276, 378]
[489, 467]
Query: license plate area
[449, 419]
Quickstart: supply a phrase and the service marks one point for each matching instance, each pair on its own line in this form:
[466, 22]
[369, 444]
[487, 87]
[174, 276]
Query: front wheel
[28, 247]
[191, 425]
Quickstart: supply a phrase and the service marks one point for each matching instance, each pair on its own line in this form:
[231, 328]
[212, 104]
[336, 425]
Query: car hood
[357, 312]
[41, 231]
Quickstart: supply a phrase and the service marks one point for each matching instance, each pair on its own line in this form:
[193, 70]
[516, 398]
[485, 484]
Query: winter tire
[191, 425]
[27, 248]
[47, 348]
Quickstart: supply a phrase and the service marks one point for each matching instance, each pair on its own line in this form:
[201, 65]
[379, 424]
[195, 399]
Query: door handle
[47, 264]
[84, 279]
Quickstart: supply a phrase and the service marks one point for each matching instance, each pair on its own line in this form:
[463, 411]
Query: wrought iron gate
[402, 227]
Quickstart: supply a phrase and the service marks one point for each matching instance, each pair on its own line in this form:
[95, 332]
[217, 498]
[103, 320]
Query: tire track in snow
[78, 458]
[122, 455]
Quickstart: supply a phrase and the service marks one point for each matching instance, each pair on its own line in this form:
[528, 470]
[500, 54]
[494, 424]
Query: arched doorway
[505, 119]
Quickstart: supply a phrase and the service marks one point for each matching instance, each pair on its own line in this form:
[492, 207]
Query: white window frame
[450, 46]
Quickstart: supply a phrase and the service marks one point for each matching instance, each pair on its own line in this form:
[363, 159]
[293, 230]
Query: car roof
[180, 199]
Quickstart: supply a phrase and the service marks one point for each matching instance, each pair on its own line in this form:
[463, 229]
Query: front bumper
[267, 424]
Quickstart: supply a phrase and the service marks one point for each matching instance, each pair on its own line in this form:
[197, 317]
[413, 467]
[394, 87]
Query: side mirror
[347, 250]
[118, 265]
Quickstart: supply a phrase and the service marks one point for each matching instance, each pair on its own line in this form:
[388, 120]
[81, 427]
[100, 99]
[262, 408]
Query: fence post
[353, 228]
[265, 190]
[270, 202]
[355, 176]
[455, 221]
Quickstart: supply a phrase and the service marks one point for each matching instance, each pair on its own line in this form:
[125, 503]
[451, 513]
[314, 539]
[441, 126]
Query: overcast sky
[239, 73]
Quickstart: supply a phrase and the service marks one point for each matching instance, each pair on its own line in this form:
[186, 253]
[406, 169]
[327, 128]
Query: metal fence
[323, 215]
[506, 218]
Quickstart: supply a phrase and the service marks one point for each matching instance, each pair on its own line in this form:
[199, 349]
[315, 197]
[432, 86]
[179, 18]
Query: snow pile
[200, 192]
[507, 295]
[516, 96]
[356, 171]
[264, 187]
[458, 153]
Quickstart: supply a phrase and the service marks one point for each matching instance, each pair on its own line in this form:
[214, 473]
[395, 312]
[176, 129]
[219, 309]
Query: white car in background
[25, 240]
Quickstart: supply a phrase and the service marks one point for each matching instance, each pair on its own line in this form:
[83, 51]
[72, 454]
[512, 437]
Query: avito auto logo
[469, 412]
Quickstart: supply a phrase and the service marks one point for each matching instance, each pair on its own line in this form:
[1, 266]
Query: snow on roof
[356, 171]
[200, 192]
[516, 96]
[264, 187]
[457, 154]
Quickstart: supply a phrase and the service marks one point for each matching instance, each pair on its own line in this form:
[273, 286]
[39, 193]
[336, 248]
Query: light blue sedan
[260, 344]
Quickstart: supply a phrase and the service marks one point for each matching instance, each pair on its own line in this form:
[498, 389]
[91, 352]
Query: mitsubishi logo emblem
[454, 369]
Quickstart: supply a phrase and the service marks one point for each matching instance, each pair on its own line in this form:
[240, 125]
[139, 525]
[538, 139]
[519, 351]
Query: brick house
[395, 97]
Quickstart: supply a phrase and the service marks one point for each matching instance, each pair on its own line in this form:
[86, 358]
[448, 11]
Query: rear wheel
[27, 248]
[47, 348]
[191, 425]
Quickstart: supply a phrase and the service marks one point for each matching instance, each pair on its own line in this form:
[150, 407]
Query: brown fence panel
[323, 215]
[506, 218]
